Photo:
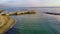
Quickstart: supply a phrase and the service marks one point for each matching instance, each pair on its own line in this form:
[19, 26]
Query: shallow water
[39, 23]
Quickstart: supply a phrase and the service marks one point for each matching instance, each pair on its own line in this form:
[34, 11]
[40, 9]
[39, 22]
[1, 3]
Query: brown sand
[6, 22]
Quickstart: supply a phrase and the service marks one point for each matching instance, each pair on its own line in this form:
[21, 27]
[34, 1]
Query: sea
[39, 23]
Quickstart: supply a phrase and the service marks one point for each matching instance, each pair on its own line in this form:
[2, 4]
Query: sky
[30, 3]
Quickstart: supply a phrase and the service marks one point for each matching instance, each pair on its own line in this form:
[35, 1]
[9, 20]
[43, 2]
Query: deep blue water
[38, 23]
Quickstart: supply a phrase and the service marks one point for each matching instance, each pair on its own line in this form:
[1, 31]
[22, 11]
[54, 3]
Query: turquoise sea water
[38, 23]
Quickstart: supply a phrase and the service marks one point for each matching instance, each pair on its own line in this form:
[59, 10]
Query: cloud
[30, 3]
